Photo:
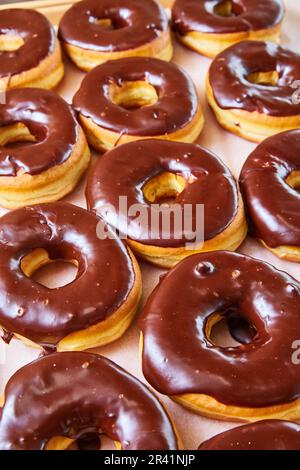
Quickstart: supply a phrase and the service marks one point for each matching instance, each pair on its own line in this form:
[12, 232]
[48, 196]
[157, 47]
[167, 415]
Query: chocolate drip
[125, 170]
[50, 121]
[246, 15]
[38, 40]
[180, 358]
[273, 206]
[133, 24]
[230, 78]
[74, 394]
[6, 336]
[175, 108]
[48, 349]
[45, 315]
[263, 435]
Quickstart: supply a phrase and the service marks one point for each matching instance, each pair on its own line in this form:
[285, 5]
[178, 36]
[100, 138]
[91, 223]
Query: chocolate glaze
[229, 72]
[71, 394]
[247, 15]
[38, 36]
[134, 23]
[264, 435]
[273, 206]
[177, 98]
[179, 358]
[49, 119]
[125, 170]
[67, 232]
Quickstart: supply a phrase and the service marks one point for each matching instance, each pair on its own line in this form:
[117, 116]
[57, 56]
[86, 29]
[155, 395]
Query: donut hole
[88, 441]
[164, 188]
[293, 180]
[264, 78]
[50, 273]
[229, 330]
[10, 42]
[94, 441]
[133, 95]
[227, 8]
[104, 23]
[16, 135]
[112, 20]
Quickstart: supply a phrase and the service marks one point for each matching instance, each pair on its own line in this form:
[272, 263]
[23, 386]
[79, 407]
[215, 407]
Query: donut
[209, 27]
[270, 434]
[30, 54]
[250, 89]
[147, 172]
[94, 31]
[93, 310]
[138, 98]
[269, 180]
[247, 382]
[43, 150]
[62, 397]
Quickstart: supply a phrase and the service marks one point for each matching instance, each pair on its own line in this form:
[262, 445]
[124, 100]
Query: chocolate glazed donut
[263, 435]
[29, 51]
[150, 171]
[64, 396]
[210, 26]
[95, 309]
[250, 89]
[138, 98]
[52, 165]
[269, 181]
[94, 31]
[248, 382]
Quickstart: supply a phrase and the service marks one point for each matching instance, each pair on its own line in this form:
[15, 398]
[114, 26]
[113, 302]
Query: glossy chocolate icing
[125, 170]
[273, 206]
[134, 23]
[179, 358]
[263, 435]
[104, 280]
[230, 70]
[247, 15]
[73, 394]
[38, 36]
[49, 119]
[177, 101]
